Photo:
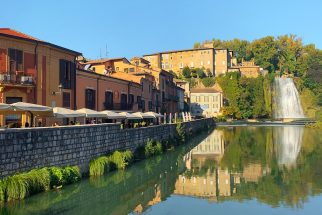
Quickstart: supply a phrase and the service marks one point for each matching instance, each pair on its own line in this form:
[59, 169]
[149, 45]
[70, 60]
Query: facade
[100, 92]
[248, 69]
[215, 61]
[35, 71]
[206, 102]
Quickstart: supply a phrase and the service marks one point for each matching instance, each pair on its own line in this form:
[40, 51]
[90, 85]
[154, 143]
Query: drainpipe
[36, 68]
[75, 104]
[97, 89]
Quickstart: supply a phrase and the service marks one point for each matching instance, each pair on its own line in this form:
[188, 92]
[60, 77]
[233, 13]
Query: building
[214, 61]
[206, 102]
[35, 71]
[247, 69]
[100, 92]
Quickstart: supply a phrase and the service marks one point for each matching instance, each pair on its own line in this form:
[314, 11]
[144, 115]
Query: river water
[242, 170]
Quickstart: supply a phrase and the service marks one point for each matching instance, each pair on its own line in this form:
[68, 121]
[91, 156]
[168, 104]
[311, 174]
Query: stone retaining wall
[25, 149]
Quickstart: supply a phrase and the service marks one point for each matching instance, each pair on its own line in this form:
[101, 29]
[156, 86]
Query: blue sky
[136, 27]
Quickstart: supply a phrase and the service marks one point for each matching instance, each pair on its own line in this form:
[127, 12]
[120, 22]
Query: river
[249, 169]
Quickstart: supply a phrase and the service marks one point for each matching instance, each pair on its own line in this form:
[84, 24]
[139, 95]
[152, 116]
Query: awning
[60, 112]
[92, 113]
[112, 115]
[4, 106]
[156, 115]
[38, 110]
[144, 115]
[130, 116]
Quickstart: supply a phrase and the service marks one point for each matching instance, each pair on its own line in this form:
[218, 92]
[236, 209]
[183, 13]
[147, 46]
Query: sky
[131, 28]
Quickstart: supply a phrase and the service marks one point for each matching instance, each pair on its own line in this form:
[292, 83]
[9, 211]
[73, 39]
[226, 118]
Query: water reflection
[278, 166]
[288, 142]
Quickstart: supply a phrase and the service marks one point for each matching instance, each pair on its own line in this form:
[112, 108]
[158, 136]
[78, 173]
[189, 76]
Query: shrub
[158, 148]
[149, 149]
[121, 159]
[56, 176]
[71, 174]
[98, 166]
[16, 187]
[2, 191]
[208, 81]
[180, 133]
[38, 180]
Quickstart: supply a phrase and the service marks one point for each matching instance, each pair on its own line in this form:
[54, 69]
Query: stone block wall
[25, 149]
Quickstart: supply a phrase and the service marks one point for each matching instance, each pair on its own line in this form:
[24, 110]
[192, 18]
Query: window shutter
[72, 75]
[62, 68]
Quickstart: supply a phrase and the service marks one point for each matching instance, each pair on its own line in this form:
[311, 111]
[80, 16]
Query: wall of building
[26, 149]
[206, 104]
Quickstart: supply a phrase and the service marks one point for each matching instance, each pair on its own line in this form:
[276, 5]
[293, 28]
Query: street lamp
[60, 87]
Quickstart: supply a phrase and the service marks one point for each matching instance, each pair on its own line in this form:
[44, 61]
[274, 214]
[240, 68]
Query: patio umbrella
[60, 112]
[154, 114]
[91, 113]
[130, 116]
[35, 109]
[144, 115]
[4, 106]
[112, 115]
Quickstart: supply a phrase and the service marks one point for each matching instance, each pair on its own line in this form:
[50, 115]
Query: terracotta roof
[104, 60]
[204, 90]
[15, 33]
[127, 77]
[18, 35]
[183, 50]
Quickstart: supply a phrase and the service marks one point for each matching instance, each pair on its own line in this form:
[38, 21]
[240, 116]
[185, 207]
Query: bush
[38, 180]
[16, 187]
[158, 148]
[56, 176]
[180, 133]
[149, 149]
[208, 82]
[98, 166]
[2, 191]
[71, 174]
[121, 159]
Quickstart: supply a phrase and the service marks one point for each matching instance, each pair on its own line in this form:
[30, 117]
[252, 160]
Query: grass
[21, 185]
[117, 160]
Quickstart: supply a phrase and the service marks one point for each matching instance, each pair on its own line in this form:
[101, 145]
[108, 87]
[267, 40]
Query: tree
[196, 45]
[200, 72]
[186, 72]
[208, 81]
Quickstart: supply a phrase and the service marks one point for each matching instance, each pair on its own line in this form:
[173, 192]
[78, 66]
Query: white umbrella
[4, 106]
[156, 115]
[92, 113]
[35, 109]
[112, 115]
[60, 112]
[144, 115]
[130, 116]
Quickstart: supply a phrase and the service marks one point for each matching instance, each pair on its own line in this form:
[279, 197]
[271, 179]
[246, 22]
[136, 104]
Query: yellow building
[205, 102]
[215, 61]
[247, 69]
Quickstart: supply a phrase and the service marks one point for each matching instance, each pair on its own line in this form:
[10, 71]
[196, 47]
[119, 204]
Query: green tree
[200, 72]
[186, 72]
[208, 81]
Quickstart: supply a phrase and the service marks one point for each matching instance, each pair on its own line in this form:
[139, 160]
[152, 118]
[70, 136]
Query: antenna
[106, 52]
[100, 53]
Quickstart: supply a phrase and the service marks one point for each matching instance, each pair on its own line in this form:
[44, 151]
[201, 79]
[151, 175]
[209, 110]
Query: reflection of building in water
[224, 182]
[288, 141]
[211, 148]
[253, 172]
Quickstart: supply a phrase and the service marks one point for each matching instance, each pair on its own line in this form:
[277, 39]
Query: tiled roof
[127, 77]
[204, 90]
[15, 33]
[18, 35]
[104, 60]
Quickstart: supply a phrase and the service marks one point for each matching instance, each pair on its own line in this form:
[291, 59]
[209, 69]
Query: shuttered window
[90, 99]
[67, 74]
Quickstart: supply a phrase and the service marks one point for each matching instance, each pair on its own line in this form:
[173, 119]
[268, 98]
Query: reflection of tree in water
[267, 163]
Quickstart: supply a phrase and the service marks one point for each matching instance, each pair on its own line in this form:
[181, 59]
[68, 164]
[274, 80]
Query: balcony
[16, 80]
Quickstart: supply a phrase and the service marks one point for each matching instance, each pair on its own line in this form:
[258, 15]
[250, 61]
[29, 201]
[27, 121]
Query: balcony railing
[16, 79]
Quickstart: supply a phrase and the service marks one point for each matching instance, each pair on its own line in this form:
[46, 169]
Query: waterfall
[287, 104]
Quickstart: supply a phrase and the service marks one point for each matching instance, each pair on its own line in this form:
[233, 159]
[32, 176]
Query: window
[142, 86]
[191, 64]
[15, 60]
[208, 62]
[162, 66]
[126, 70]
[206, 99]
[117, 68]
[201, 63]
[150, 105]
[67, 74]
[131, 100]
[108, 104]
[66, 100]
[143, 105]
[131, 69]
[223, 62]
[90, 99]
[123, 101]
[181, 65]
[138, 99]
